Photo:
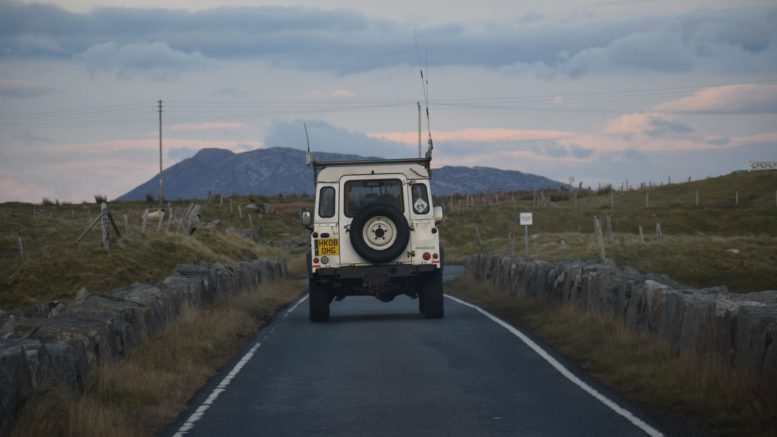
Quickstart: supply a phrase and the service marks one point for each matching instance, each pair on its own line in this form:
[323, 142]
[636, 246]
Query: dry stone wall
[737, 330]
[61, 343]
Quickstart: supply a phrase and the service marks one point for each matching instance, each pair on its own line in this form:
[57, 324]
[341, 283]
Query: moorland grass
[55, 267]
[697, 243]
[678, 390]
[143, 393]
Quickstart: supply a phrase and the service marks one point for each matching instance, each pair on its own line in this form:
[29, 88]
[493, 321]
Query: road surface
[380, 369]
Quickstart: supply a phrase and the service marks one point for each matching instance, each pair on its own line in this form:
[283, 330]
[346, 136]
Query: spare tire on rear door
[379, 233]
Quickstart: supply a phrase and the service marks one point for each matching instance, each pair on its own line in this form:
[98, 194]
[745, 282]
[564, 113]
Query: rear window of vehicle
[420, 199]
[326, 202]
[359, 194]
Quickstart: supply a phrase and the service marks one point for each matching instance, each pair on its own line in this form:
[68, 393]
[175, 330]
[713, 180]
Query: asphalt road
[380, 369]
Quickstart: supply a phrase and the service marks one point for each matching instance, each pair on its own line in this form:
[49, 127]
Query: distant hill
[281, 170]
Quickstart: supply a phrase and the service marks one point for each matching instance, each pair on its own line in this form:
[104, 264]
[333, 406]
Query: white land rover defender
[374, 232]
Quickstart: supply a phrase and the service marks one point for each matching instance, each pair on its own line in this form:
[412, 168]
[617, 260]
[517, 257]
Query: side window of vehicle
[420, 199]
[326, 202]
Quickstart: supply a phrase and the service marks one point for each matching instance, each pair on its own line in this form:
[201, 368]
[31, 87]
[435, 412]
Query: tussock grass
[145, 392]
[696, 241]
[54, 267]
[675, 389]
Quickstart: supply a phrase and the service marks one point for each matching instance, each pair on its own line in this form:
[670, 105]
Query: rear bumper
[379, 271]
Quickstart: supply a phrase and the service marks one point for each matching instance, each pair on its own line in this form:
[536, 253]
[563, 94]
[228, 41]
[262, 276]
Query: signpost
[526, 220]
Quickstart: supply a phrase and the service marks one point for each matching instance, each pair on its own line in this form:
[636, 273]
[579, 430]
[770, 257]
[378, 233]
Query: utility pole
[161, 179]
[419, 128]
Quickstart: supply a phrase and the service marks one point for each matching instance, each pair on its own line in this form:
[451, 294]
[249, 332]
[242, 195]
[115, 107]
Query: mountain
[283, 170]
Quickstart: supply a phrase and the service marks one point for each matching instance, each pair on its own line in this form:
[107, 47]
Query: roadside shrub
[149, 198]
[100, 198]
[46, 202]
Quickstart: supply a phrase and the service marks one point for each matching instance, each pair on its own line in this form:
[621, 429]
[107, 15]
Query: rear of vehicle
[375, 233]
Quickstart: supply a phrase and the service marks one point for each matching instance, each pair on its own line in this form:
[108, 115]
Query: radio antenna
[425, 87]
[309, 155]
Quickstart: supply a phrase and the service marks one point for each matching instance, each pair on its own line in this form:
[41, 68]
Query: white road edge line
[200, 411]
[628, 415]
[294, 307]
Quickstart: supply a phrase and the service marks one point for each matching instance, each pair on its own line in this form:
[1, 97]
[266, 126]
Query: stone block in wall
[735, 329]
[58, 342]
[160, 306]
[15, 381]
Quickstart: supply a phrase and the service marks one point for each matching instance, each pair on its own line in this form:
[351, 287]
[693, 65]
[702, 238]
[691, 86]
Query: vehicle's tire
[318, 301]
[433, 301]
[379, 233]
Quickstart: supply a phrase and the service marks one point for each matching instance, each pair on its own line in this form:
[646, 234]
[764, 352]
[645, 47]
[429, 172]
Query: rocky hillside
[280, 170]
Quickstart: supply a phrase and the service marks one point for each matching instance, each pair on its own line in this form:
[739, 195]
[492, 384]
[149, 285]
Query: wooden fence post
[697, 199]
[230, 205]
[145, 221]
[608, 227]
[106, 226]
[169, 220]
[599, 238]
[161, 220]
[250, 220]
[126, 225]
[240, 211]
[21, 248]
[647, 200]
[659, 233]
[736, 198]
[641, 234]
[477, 235]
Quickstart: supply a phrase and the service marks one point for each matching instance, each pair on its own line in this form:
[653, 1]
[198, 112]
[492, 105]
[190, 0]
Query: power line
[183, 110]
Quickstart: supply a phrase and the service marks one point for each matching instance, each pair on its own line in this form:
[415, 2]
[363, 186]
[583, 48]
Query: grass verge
[685, 394]
[145, 392]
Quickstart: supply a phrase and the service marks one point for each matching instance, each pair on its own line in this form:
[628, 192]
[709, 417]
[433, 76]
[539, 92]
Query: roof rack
[320, 165]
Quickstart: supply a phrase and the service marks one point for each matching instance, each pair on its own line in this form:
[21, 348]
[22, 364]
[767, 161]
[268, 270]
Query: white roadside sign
[526, 218]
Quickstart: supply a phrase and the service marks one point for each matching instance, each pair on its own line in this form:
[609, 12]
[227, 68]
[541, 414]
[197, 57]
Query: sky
[590, 91]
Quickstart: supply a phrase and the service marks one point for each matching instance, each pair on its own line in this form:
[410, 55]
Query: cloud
[230, 91]
[480, 135]
[126, 60]
[343, 41]
[325, 137]
[210, 125]
[652, 125]
[180, 153]
[27, 137]
[729, 99]
[22, 89]
[343, 93]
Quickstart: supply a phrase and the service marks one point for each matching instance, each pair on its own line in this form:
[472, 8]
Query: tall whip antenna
[425, 87]
[309, 155]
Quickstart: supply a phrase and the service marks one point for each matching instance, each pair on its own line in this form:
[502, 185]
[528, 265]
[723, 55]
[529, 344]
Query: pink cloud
[210, 125]
[76, 172]
[476, 135]
[729, 99]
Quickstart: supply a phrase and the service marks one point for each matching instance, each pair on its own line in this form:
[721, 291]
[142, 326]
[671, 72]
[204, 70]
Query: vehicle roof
[332, 171]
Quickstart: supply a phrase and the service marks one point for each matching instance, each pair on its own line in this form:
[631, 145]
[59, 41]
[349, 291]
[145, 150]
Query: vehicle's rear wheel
[318, 300]
[432, 302]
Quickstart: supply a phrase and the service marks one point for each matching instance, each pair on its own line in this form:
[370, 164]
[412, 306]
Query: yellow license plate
[328, 246]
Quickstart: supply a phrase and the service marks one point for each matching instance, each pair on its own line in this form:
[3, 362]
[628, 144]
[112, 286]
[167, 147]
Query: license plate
[328, 246]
